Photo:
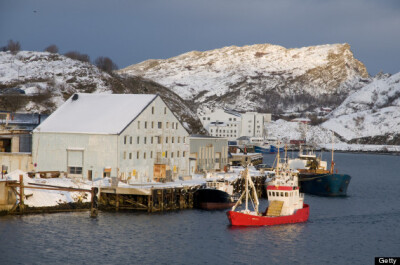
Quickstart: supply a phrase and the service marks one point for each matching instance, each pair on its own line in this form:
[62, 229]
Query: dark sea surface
[350, 230]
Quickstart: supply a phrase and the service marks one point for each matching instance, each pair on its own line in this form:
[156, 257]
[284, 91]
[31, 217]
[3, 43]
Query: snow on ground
[46, 198]
[363, 147]
[286, 131]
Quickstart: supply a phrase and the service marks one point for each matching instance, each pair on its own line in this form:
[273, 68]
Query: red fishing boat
[286, 203]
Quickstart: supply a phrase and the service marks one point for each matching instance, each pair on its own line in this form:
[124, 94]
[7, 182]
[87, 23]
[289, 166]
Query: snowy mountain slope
[259, 77]
[370, 112]
[49, 79]
[44, 73]
[286, 131]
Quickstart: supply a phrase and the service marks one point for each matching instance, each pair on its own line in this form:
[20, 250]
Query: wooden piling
[21, 194]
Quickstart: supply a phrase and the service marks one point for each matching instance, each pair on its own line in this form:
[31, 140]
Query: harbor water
[349, 230]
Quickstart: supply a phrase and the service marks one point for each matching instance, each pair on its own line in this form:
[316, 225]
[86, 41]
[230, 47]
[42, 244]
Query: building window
[172, 154]
[138, 140]
[144, 155]
[138, 124]
[159, 139]
[145, 140]
[151, 154]
[208, 118]
[151, 139]
[165, 110]
[184, 140]
[172, 139]
[152, 124]
[234, 119]
[179, 140]
[74, 170]
[145, 124]
[130, 140]
[177, 154]
[167, 125]
[166, 154]
[152, 110]
[130, 155]
[124, 155]
[183, 153]
[125, 137]
[176, 126]
[137, 155]
[211, 130]
[166, 139]
[204, 118]
[159, 125]
[172, 125]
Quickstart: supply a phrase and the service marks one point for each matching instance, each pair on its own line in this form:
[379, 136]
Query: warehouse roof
[96, 113]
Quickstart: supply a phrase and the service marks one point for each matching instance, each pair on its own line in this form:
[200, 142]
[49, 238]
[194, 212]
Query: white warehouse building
[133, 137]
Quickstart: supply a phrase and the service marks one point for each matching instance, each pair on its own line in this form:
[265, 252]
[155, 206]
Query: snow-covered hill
[370, 114]
[46, 73]
[259, 77]
[49, 79]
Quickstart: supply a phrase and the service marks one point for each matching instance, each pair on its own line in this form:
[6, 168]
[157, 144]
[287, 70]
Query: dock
[163, 197]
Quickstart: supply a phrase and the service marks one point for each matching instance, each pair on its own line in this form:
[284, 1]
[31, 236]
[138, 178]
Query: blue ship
[321, 184]
[265, 150]
[314, 178]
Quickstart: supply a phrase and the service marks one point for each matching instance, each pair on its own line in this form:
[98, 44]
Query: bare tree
[51, 49]
[13, 46]
[78, 56]
[105, 64]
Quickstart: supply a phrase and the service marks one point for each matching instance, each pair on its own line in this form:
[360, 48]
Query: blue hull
[324, 184]
[271, 150]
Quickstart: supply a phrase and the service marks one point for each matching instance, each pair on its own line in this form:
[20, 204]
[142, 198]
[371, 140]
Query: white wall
[142, 128]
[50, 150]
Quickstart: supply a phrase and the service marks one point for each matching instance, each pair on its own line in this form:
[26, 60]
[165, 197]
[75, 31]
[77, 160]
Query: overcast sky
[130, 31]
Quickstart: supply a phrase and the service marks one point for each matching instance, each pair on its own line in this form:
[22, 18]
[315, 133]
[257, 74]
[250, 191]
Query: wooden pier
[157, 199]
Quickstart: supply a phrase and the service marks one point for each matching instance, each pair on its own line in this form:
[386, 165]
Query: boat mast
[332, 163]
[247, 187]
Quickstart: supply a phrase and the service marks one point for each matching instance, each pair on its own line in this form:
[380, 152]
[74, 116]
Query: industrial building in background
[16, 140]
[232, 124]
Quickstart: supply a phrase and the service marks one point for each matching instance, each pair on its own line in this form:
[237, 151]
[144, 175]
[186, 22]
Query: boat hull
[241, 219]
[263, 150]
[324, 184]
[212, 199]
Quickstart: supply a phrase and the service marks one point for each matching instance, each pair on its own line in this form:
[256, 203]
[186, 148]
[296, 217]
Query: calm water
[351, 230]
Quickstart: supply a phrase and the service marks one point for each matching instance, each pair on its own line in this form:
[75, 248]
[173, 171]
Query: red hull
[241, 219]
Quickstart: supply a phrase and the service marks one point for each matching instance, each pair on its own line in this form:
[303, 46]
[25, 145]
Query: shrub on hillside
[13, 46]
[105, 64]
[78, 56]
[51, 49]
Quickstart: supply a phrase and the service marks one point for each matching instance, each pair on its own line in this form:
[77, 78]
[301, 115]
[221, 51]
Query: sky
[131, 31]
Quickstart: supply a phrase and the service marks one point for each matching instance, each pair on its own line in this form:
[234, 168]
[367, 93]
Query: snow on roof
[96, 113]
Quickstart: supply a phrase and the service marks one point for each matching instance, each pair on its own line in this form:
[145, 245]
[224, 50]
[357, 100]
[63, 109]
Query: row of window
[145, 124]
[153, 139]
[283, 193]
[152, 110]
[223, 135]
[208, 118]
[144, 155]
[222, 131]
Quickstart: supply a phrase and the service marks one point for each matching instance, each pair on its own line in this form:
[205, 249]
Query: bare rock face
[260, 77]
